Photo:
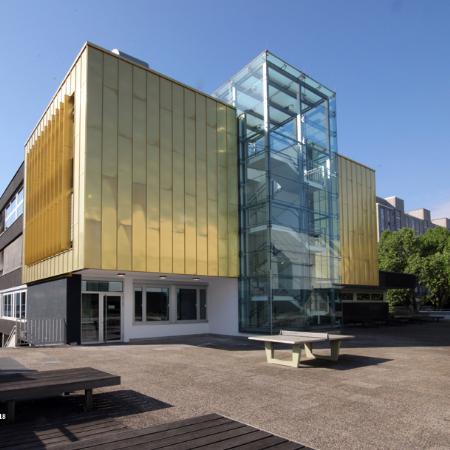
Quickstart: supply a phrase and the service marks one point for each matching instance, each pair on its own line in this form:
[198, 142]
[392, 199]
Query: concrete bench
[299, 340]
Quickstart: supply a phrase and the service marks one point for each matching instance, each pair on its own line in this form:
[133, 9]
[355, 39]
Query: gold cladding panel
[48, 186]
[359, 258]
[53, 232]
[155, 174]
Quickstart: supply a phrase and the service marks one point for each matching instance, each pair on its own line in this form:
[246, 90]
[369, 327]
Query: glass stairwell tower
[289, 223]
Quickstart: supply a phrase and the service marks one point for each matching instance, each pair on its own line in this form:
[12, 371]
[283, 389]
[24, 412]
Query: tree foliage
[426, 256]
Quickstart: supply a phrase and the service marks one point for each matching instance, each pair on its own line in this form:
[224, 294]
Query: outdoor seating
[403, 313]
[298, 340]
[30, 386]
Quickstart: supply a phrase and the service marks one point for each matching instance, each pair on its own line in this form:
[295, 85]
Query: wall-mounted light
[163, 277]
[196, 278]
[121, 274]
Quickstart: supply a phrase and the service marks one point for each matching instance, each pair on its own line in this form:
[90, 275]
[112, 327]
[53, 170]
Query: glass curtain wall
[288, 196]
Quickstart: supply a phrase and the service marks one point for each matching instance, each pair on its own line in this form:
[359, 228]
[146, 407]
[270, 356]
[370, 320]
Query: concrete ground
[390, 390]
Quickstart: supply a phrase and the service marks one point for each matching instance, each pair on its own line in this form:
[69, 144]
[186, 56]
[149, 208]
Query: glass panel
[345, 295]
[377, 296]
[187, 304]
[17, 304]
[89, 318]
[288, 197]
[138, 305]
[23, 300]
[112, 317]
[202, 304]
[157, 304]
[362, 296]
[102, 286]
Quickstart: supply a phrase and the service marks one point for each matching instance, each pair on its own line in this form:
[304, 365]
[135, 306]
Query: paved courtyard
[390, 390]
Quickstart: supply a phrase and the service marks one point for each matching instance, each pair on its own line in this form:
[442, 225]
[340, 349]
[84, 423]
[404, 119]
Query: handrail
[12, 335]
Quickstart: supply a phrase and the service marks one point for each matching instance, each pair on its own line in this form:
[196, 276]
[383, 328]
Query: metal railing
[43, 332]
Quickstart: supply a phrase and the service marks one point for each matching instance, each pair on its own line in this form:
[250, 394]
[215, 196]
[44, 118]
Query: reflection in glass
[289, 197]
[157, 304]
[89, 318]
[187, 304]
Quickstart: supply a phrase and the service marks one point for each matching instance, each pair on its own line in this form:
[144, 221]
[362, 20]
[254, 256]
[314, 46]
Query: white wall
[223, 308]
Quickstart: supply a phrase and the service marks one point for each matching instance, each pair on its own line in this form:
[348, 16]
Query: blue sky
[388, 61]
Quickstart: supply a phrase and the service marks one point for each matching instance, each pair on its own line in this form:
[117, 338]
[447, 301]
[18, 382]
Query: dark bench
[50, 383]
[212, 432]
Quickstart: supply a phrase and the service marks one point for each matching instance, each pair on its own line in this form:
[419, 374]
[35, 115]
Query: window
[157, 304]
[378, 296]
[14, 304]
[362, 296]
[138, 305]
[14, 209]
[17, 304]
[23, 304]
[202, 304]
[102, 286]
[187, 304]
[345, 296]
[7, 305]
[191, 304]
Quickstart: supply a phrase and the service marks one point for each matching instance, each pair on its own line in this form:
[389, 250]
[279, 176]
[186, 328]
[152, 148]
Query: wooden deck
[209, 432]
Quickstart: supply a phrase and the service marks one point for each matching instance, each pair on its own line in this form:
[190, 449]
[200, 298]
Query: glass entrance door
[112, 314]
[100, 317]
[90, 318]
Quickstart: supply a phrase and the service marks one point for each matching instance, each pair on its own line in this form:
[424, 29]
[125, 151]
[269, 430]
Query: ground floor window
[14, 304]
[169, 304]
[191, 304]
[151, 304]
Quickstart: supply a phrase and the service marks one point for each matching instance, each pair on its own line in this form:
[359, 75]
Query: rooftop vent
[129, 57]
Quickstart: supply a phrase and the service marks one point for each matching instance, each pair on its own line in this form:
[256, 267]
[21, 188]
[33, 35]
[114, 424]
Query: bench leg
[335, 347]
[269, 351]
[88, 403]
[11, 411]
[296, 355]
[309, 350]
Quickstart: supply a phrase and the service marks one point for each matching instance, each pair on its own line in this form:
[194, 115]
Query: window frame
[9, 301]
[197, 303]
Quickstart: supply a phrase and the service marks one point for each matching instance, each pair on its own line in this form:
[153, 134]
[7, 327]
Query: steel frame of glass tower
[289, 237]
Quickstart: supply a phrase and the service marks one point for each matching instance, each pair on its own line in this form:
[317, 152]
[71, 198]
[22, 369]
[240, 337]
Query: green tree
[426, 256]
[395, 252]
[432, 267]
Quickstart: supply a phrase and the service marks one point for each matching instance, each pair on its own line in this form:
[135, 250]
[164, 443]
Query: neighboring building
[147, 200]
[392, 217]
[12, 291]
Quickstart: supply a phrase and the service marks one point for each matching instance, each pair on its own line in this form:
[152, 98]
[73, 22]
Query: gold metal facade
[161, 182]
[155, 174]
[54, 180]
[49, 187]
[358, 227]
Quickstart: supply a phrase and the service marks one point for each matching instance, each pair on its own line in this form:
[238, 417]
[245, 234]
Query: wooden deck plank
[150, 441]
[177, 425]
[238, 441]
[205, 440]
[260, 444]
[288, 446]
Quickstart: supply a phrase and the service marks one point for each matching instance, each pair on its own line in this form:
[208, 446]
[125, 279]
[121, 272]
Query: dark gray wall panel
[11, 279]
[11, 233]
[47, 300]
